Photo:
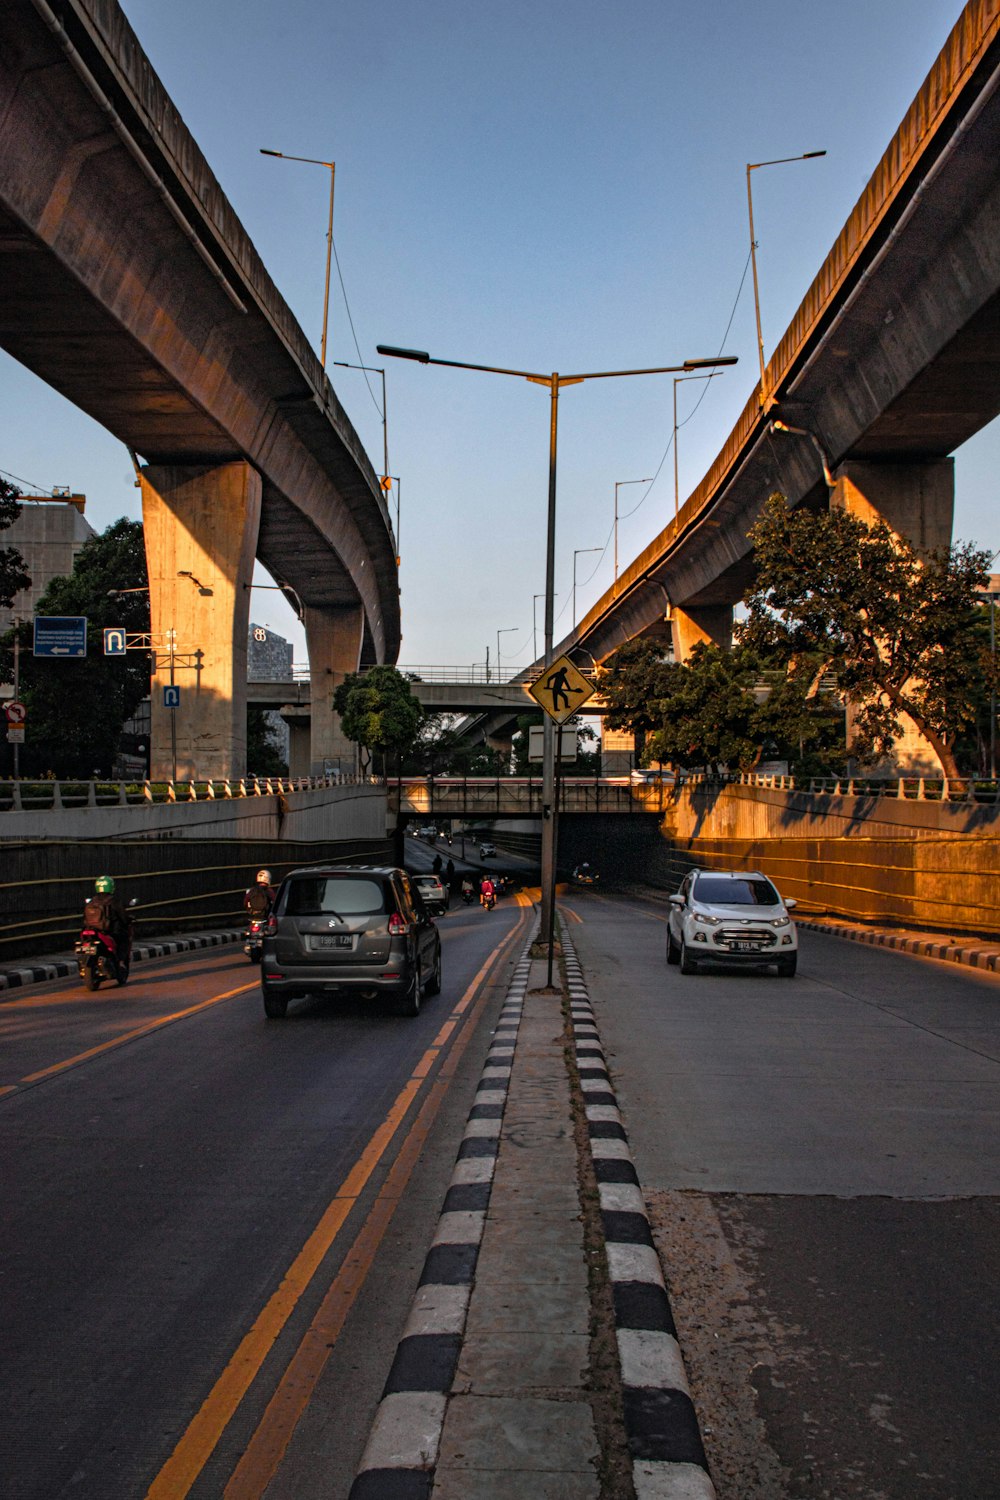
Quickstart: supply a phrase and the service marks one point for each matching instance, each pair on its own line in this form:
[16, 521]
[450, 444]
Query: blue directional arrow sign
[114, 641]
[60, 635]
[171, 697]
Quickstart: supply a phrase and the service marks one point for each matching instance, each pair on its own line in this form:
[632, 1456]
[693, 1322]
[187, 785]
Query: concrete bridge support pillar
[299, 733]
[200, 528]
[334, 637]
[711, 623]
[917, 502]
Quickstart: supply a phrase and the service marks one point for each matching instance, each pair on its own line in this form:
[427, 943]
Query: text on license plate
[745, 947]
[326, 941]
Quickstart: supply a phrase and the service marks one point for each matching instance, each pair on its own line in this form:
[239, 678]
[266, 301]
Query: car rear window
[342, 895]
[716, 891]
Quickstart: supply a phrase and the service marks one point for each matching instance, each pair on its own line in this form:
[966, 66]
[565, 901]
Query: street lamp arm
[423, 358]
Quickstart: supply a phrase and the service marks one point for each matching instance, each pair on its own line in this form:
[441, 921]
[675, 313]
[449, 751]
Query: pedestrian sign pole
[560, 690]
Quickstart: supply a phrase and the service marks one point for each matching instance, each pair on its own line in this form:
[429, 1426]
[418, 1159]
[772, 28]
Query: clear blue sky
[541, 186]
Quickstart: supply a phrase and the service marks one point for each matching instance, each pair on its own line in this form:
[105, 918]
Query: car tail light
[397, 925]
[271, 927]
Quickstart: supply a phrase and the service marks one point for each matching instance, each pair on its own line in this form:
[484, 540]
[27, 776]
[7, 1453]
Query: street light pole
[576, 554]
[554, 382]
[375, 370]
[534, 623]
[510, 630]
[332, 166]
[618, 485]
[752, 166]
[677, 381]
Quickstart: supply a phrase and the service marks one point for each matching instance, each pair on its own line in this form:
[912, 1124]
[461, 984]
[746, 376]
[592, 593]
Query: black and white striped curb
[62, 968]
[402, 1450]
[975, 954]
[668, 1458]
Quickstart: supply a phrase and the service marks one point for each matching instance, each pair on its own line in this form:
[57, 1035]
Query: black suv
[337, 930]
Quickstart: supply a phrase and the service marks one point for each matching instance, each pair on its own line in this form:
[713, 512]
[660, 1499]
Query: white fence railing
[48, 796]
[912, 788]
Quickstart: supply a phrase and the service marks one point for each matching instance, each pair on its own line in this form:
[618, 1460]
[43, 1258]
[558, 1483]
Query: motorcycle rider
[487, 891]
[259, 898]
[468, 890]
[105, 912]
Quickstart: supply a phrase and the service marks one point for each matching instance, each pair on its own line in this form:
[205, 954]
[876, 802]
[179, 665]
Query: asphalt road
[821, 1159]
[213, 1224]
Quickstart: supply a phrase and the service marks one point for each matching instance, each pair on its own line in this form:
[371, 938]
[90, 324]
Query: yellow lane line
[206, 1428]
[128, 1036]
[269, 1443]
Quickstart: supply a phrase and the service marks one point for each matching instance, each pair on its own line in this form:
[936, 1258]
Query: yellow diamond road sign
[561, 690]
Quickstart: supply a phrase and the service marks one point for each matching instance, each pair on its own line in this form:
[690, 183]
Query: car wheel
[410, 1003]
[687, 963]
[787, 966]
[433, 985]
[275, 1005]
[673, 952]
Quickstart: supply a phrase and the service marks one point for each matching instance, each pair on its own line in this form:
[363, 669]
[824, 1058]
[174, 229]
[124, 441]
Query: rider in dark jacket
[105, 912]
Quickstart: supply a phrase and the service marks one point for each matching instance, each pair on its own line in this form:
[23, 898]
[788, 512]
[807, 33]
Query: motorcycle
[98, 958]
[254, 945]
[468, 896]
[489, 900]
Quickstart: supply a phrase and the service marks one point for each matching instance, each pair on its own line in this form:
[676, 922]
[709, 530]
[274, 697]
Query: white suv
[730, 917]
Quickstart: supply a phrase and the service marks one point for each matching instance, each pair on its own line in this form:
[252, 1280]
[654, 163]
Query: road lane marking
[269, 1443]
[129, 1036]
[199, 1441]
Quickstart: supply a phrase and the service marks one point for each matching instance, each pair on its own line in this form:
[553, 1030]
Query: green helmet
[104, 885]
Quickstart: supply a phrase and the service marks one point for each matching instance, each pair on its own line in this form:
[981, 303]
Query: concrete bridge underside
[129, 285]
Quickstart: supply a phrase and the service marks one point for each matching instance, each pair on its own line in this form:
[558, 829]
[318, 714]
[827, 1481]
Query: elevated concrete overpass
[891, 363]
[128, 283]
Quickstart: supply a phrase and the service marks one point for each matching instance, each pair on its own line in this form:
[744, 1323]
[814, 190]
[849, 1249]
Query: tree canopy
[76, 708]
[13, 571]
[899, 629]
[378, 711]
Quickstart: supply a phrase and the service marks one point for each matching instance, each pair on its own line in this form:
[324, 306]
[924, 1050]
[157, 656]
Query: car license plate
[326, 941]
[745, 947]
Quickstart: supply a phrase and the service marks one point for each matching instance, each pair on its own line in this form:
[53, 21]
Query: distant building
[48, 533]
[269, 659]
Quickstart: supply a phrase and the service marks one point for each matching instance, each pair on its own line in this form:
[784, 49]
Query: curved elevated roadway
[128, 283]
[891, 363]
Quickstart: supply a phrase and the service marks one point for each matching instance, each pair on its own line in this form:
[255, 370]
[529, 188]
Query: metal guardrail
[909, 788]
[49, 796]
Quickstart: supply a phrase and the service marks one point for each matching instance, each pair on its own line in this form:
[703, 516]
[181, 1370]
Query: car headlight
[706, 920]
[780, 922]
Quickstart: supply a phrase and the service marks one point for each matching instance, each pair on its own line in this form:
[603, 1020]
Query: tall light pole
[677, 381]
[576, 554]
[375, 370]
[534, 623]
[620, 482]
[753, 166]
[332, 167]
[510, 630]
[554, 383]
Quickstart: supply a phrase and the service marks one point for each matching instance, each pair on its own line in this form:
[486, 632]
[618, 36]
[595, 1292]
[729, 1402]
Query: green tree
[379, 712]
[898, 628]
[13, 572]
[720, 708]
[76, 708]
[264, 755]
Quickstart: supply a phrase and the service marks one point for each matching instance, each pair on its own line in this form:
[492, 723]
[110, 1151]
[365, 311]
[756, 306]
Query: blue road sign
[171, 697]
[114, 641]
[60, 635]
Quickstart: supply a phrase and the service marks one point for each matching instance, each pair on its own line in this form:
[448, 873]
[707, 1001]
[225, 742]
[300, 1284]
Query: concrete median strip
[402, 1449]
[668, 1457]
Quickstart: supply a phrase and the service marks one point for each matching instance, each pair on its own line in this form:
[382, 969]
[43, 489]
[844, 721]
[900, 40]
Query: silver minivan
[340, 930]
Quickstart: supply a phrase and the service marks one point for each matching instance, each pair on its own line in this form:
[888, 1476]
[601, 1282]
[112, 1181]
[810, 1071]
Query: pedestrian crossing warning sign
[561, 690]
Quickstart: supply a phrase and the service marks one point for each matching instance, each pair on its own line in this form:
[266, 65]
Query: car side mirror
[677, 901]
[791, 905]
